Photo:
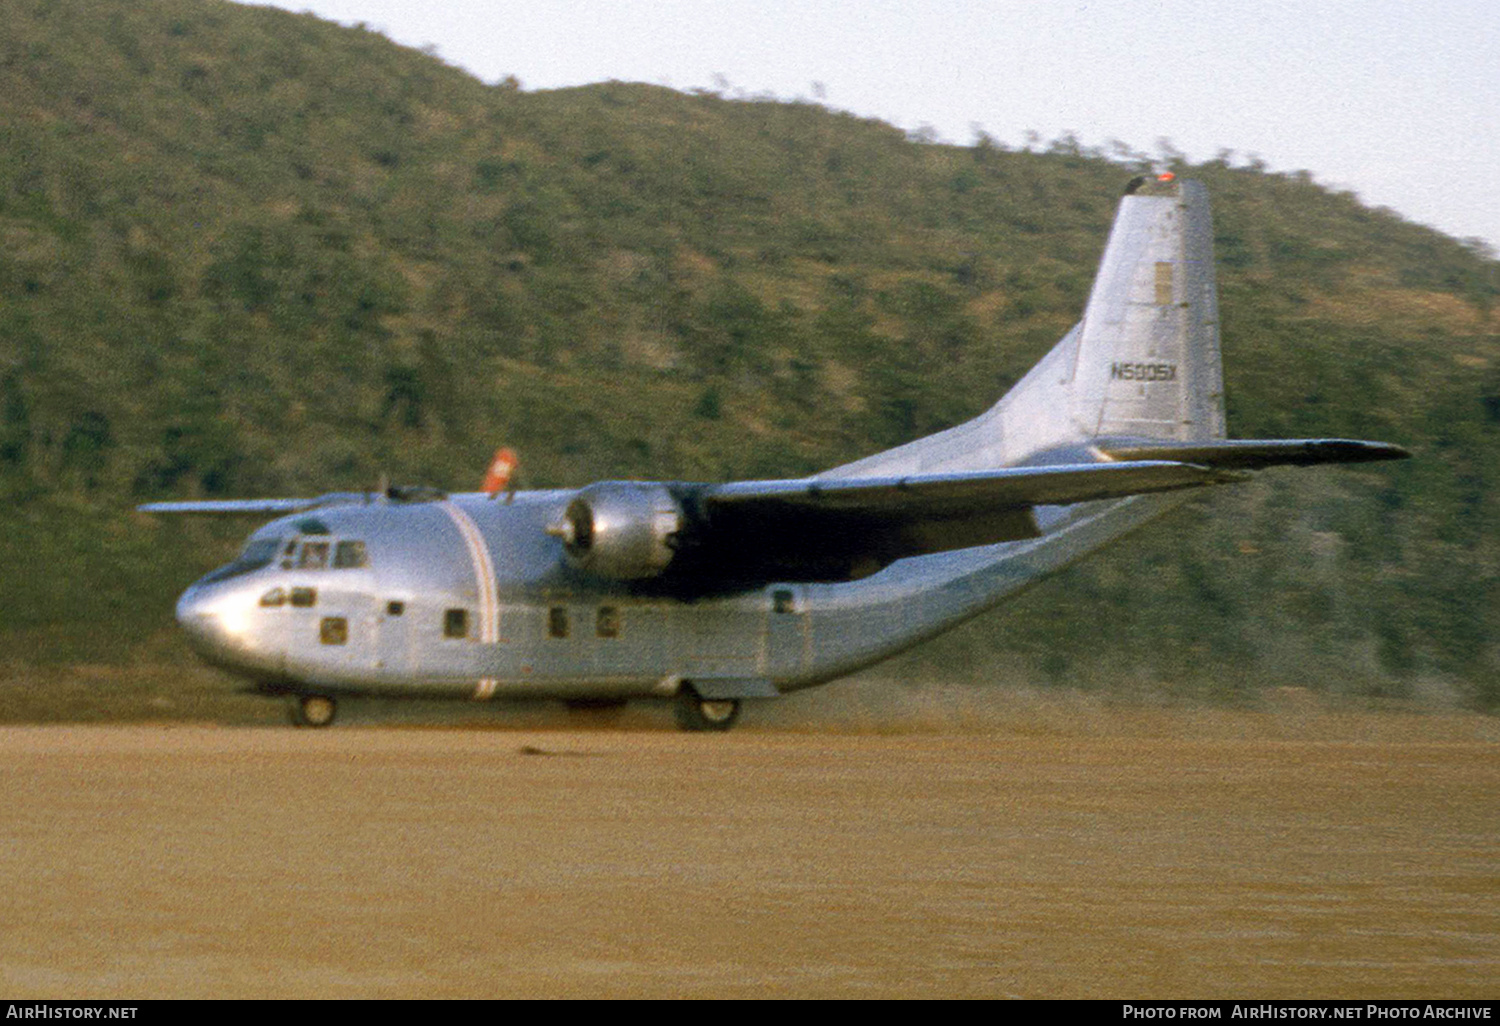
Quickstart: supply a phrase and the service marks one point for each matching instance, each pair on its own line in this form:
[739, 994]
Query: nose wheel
[312, 710]
[696, 713]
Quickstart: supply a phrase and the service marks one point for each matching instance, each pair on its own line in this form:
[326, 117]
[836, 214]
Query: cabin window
[314, 556]
[783, 601]
[557, 622]
[274, 597]
[456, 623]
[304, 596]
[350, 555]
[395, 608]
[334, 630]
[607, 623]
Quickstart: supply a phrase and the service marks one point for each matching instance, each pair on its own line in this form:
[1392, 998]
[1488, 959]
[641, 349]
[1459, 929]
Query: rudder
[1147, 361]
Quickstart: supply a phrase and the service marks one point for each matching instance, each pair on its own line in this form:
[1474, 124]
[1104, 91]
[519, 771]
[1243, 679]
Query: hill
[248, 252]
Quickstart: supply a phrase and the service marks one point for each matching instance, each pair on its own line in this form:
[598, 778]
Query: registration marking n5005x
[1143, 372]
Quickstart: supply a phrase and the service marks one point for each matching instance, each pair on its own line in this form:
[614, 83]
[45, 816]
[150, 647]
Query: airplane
[707, 595]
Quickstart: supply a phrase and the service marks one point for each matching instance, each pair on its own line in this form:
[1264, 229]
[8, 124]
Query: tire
[696, 713]
[313, 710]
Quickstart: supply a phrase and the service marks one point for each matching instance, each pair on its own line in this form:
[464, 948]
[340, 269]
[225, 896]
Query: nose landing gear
[311, 710]
[693, 712]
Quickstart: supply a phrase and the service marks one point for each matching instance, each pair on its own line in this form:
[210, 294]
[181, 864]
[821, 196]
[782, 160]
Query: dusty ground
[1044, 850]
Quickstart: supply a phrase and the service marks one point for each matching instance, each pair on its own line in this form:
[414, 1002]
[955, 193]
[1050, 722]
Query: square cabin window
[334, 630]
[607, 623]
[314, 556]
[350, 555]
[456, 623]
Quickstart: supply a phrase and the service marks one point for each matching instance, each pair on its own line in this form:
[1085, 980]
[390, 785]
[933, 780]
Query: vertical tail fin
[1147, 362]
[1143, 362]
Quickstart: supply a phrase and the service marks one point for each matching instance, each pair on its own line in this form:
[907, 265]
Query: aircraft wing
[242, 507]
[831, 529]
[959, 493]
[229, 506]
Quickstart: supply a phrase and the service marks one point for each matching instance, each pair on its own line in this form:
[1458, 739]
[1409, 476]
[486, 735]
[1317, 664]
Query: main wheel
[313, 710]
[694, 712]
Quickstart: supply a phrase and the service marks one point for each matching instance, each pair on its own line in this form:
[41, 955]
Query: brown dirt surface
[1045, 851]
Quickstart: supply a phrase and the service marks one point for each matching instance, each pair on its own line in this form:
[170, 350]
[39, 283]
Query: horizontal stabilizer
[1253, 454]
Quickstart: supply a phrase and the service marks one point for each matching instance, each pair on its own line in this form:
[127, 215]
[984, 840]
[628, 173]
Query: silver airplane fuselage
[469, 597]
[714, 593]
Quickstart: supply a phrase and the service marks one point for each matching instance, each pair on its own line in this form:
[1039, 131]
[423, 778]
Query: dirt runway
[1152, 856]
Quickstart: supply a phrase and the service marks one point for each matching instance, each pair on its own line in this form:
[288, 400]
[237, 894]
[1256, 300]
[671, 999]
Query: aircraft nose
[202, 625]
[215, 625]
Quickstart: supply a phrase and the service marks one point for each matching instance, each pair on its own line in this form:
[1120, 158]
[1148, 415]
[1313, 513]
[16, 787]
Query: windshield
[257, 554]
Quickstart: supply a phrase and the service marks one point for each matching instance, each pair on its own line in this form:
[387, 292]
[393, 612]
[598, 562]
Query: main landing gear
[694, 712]
[311, 710]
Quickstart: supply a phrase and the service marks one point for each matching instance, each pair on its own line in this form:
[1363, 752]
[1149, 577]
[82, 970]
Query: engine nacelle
[620, 529]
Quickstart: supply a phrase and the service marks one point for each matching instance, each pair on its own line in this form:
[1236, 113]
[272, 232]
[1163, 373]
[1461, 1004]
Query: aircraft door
[787, 633]
[349, 630]
[720, 638]
[390, 639]
[628, 642]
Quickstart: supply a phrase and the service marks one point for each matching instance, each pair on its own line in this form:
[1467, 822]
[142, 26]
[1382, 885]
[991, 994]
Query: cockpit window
[314, 555]
[350, 555]
[257, 554]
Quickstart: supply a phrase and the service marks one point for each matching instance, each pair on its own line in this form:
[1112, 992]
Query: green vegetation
[244, 252]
